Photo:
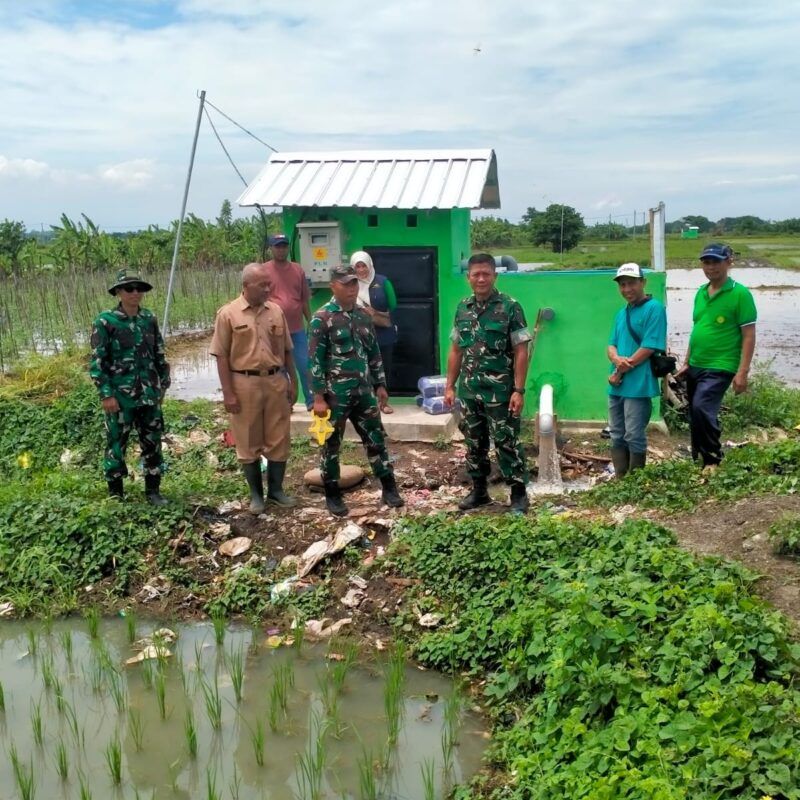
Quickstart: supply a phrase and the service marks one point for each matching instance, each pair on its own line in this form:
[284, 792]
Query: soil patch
[738, 531]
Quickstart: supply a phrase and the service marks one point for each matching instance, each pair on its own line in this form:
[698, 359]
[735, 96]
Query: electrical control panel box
[320, 250]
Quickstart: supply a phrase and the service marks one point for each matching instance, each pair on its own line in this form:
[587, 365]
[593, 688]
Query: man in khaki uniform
[253, 349]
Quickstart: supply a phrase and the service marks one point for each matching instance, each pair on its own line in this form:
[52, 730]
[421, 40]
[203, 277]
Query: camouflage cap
[344, 274]
[126, 278]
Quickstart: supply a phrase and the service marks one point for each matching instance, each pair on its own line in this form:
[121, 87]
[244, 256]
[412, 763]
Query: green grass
[614, 663]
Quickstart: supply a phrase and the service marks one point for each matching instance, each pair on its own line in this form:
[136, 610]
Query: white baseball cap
[629, 270]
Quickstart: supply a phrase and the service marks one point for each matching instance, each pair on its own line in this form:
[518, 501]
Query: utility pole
[165, 323]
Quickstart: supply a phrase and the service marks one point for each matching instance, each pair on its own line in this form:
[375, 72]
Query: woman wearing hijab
[376, 296]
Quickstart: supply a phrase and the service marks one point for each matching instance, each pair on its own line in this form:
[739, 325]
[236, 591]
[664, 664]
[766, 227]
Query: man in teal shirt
[720, 350]
[639, 330]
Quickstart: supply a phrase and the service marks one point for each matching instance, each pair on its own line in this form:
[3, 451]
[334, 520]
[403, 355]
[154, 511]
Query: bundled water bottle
[432, 386]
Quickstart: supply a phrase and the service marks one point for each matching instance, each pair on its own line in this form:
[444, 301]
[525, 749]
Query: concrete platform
[408, 423]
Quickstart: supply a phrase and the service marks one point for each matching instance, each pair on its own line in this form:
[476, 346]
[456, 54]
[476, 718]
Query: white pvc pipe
[546, 409]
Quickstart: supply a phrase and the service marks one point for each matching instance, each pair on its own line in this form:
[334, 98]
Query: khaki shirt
[251, 337]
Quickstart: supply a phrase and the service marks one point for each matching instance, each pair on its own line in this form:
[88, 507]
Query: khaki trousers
[262, 426]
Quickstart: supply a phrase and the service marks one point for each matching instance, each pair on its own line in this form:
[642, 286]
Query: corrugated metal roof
[378, 179]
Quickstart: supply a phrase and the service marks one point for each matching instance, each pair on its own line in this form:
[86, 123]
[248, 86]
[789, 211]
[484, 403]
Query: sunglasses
[133, 287]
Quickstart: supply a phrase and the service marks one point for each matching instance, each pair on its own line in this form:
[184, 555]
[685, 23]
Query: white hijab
[363, 285]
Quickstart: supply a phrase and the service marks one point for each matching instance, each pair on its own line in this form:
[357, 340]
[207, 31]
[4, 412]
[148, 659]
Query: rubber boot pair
[479, 496]
[624, 461]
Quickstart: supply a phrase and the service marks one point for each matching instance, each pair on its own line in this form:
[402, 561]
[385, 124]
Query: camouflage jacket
[128, 360]
[487, 334]
[343, 353]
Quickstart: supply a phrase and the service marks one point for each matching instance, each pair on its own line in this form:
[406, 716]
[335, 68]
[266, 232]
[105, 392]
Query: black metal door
[412, 271]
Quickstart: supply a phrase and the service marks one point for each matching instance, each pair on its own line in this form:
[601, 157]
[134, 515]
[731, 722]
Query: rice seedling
[93, 621]
[448, 745]
[113, 755]
[212, 701]
[160, 682]
[33, 642]
[117, 688]
[211, 784]
[61, 702]
[136, 729]
[218, 621]
[130, 624]
[282, 679]
[62, 760]
[147, 674]
[48, 671]
[257, 740]
[23, 775]
[86, 792]
[190, 733]
[330, 701]
[236, 783]
[367, 783]
[36, 723]
[340, 667]
[236, 669]
[311, 764]
[66, 645]
[72, 723]
[428, 770]
[394, 678]
[2, 698]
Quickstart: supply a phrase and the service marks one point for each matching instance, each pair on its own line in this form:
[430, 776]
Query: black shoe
[479, 496]
[252, 472]
[333, 499]
[519, 498]
[116, 488]
[638, 460]
[152, 485]
[621, 459]
[275, 472]
[391, 497]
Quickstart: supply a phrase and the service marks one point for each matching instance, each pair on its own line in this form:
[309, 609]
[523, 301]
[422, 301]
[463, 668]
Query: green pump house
[410, 210]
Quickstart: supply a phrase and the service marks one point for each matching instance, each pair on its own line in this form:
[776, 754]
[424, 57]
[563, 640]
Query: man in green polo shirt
[720, 350]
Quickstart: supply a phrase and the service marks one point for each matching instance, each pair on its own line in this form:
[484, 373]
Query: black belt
[257, 372]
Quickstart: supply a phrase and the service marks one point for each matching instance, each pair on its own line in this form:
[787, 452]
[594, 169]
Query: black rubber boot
[479, 496]
[256, 483]
[621, 459]
[519, 498]
[116, 488]
[275, 472]
[333, 499]
[391, 497]
[152, 485]
[638, 460]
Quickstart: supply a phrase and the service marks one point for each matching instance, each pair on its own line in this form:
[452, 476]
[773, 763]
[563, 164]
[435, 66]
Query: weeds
[784, 534]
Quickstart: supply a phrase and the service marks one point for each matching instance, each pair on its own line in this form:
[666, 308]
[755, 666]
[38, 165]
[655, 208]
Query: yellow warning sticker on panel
[320, 253]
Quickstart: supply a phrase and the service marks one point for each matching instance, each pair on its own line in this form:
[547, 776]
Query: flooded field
[222, 713]
[776, 292]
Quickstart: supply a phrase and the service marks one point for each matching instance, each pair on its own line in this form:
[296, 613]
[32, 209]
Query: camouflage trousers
[149, 424]
[362, 411]
[479, 422]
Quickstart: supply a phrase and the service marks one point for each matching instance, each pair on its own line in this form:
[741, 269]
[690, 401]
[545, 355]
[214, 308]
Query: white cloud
[129, 174]
[22, 167]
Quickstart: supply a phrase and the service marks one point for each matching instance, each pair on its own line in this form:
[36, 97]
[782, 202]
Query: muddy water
[72, 698]
[776, 292]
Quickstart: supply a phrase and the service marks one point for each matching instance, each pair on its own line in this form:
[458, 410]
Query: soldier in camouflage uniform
[490, 351]
[131, 373]
[347, 377]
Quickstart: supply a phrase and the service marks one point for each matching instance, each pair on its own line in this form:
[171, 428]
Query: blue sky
[608, 107]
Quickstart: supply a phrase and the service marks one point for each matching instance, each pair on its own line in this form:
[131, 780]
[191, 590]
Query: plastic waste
[432, 386]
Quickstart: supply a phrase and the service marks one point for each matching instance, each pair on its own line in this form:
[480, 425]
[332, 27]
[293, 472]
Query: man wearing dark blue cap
[720, 350]
[291, 292]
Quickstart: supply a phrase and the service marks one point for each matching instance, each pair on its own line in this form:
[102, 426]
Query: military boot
[519, 498]
[254, 480]
[479, 496]
[116, 488]
[333, 499]
[275, 472]
[621, 459]
[391, 497]
[152, 485]
[638, 460]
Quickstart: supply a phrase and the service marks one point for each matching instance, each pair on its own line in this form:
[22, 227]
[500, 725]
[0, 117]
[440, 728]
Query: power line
[241, 127]
[225, 149]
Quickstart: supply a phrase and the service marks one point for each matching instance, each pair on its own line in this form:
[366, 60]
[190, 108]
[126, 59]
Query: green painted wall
[570, 349]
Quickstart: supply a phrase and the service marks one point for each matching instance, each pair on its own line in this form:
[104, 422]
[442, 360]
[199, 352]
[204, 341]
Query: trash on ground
[328, 546]
[150, 652]
[317, 628]
[283, 589]
[6, 609]
[153, 589]
[219, 529]
[235, 546]
[357, 581]
[429, 620]
[354, 598]
[230, 506]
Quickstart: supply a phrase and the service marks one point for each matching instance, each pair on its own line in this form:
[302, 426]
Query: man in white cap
[640, 329]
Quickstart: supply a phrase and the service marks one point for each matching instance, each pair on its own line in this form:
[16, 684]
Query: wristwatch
[518, 390]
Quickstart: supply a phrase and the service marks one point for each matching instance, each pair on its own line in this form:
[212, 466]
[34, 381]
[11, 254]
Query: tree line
[81, 245]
